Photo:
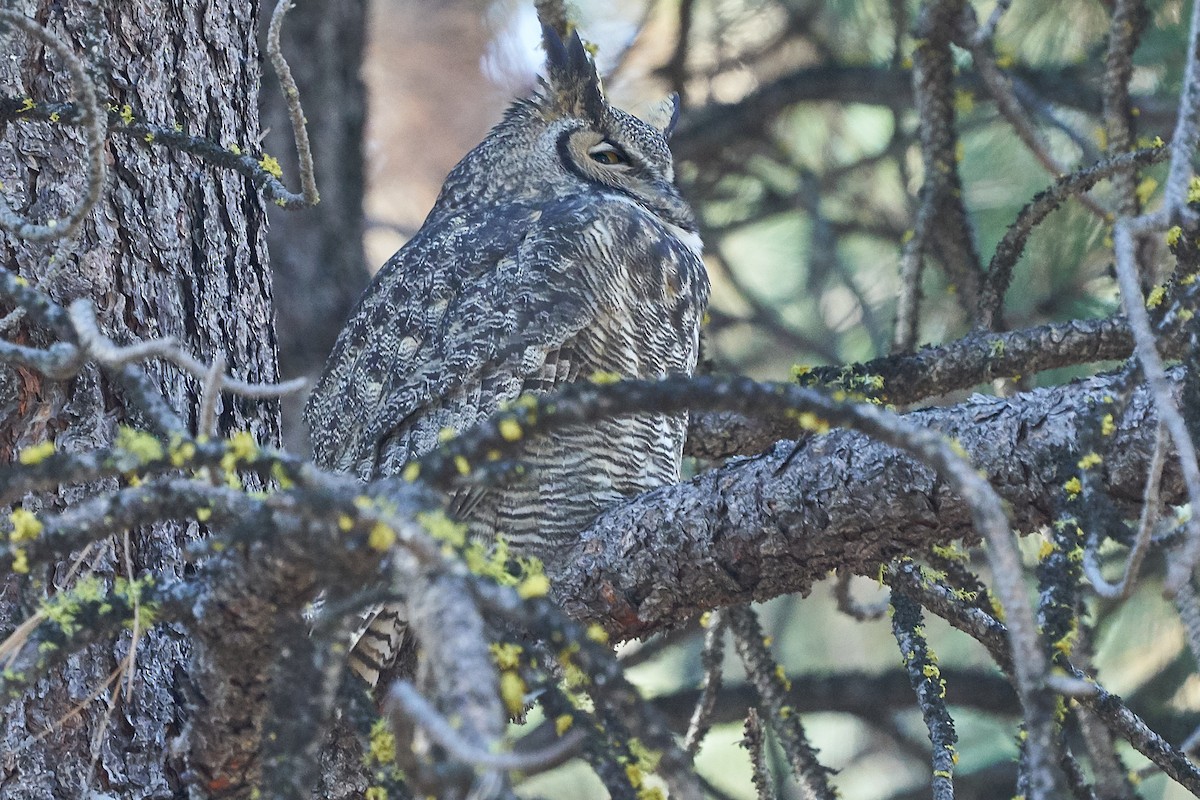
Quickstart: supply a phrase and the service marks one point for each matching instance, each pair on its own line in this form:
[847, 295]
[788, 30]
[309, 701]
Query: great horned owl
[558, 248]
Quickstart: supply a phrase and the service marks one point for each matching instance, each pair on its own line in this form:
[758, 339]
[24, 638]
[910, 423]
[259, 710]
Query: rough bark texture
[317, 256]
[175, 247]
[779, 522]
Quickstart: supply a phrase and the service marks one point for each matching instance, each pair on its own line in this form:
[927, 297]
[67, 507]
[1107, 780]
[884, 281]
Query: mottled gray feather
[535, 268]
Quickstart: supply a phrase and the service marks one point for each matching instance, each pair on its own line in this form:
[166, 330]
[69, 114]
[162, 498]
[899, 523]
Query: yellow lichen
[443, 528]
[646, 758]
[811, 422]
[26, 527]
[563, 723]
[506, 655]
[381, 537]
[281, 477]
[1145, 190]
[537, 585]
[63, 608]
[800, 370]
[242, 446]
[512, 692]
[181, 452]
[270, 165]
[37, 453]
[1090, 460]
[1155, 298]
[489, 562]
[950, 552]
[1065, 644]
[1073, 487]
[510, 429]
[139, 444]
[382, 744]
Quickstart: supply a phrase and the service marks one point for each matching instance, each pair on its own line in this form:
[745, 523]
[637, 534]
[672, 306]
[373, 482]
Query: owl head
[566, 139]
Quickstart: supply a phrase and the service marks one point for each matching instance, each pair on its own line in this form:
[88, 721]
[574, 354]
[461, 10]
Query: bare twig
[403, 698]
[983, 37]
[912, 264]
[848, 605]
[1125, 235]
[755, 740]
[1187, 130]
[1125, 30]
[1109, 708]
[1070, 686]
[1141, 542]
[11, 319]
[1010, 247]
[710, 659]
[291, 94]
[99, 347]
[809, 773]
[210, 395]
[930, 688]
[1152, 367]
[942, 221]
[1000, 87]
[1188, 605]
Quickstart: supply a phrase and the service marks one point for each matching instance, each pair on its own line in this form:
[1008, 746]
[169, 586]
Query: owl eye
[608, 154]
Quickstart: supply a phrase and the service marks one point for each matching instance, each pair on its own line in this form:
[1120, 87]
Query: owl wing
[454, 325]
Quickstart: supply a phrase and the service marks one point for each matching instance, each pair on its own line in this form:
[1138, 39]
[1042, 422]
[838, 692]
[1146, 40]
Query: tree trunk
[175, 247]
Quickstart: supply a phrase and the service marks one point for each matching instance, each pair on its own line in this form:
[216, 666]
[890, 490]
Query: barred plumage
[558, 248]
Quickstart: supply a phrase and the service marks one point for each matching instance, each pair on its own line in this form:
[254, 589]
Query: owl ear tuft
[573, 86]
[665, 115]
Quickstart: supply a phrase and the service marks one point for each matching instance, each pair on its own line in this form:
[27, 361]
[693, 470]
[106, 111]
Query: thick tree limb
[932, 371]
[778, 523]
